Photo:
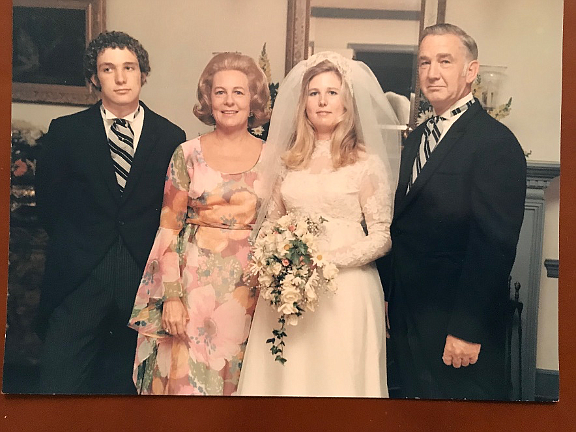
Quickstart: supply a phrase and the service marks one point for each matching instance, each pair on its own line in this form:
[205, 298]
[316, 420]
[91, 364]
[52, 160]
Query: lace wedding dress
[340, 349]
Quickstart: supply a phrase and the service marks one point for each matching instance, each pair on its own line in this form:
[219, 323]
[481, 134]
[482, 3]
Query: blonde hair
[257, 83]
[345, 146]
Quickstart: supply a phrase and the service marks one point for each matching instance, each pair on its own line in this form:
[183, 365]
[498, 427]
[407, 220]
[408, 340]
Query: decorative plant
[26, 140]
[264, 63]
[25, 137]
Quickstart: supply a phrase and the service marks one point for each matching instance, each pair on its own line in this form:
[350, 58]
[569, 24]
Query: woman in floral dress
[193, 309]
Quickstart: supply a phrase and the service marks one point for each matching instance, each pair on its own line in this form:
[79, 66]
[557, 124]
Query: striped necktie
[121, 144]
[430, 139]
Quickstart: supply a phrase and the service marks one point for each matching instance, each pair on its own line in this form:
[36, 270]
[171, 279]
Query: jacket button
[121, 223]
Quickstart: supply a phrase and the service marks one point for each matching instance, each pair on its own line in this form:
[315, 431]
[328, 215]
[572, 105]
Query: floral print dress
[199, 254]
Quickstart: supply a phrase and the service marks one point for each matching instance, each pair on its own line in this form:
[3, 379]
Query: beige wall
[331, 33]
[547, 349]
[526, 36]
[181, 36]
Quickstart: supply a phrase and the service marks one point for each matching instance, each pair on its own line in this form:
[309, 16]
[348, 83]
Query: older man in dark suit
[99, 190]
[458, 212]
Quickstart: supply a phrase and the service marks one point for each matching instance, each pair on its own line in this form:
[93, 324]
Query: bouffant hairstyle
[257, 83]
[345, 147]
[113, 39]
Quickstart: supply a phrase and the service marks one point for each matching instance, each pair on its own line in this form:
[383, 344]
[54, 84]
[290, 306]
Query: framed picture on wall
[49, 39]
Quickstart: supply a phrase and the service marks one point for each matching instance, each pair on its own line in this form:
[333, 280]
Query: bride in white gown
[341, 164]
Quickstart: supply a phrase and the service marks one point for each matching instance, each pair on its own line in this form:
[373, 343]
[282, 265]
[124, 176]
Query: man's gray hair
[445, 28]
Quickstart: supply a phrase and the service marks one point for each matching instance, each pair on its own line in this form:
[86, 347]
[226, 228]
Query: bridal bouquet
[291, 271]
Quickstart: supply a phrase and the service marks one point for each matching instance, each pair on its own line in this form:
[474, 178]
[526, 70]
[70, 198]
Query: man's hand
[174, 318]
[458, 352]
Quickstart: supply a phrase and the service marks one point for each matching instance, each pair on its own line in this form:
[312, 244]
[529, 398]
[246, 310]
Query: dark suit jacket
[454, 237]
[80, 204]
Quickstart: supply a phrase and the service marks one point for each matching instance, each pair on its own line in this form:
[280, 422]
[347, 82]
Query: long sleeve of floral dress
[162, 277]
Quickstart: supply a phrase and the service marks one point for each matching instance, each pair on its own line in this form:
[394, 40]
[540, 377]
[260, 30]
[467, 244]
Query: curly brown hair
[113, 39]
[259, 91]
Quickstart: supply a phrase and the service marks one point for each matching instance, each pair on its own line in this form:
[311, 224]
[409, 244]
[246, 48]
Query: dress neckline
[322, 148]
[262, 143]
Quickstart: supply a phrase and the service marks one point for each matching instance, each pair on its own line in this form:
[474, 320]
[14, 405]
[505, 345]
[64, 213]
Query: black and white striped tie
[121, 143]
[430, 139]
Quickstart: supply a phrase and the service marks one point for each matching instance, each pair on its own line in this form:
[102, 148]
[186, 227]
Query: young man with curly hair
[99, 191]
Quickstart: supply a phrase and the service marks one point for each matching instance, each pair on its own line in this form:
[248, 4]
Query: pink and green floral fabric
[199, 254]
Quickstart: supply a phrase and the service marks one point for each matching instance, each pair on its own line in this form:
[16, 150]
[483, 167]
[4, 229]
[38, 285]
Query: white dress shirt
[447, 124]
[135, 119]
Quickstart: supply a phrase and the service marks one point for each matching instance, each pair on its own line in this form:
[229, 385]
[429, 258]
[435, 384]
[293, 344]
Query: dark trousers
[423, 375]
[88, 346]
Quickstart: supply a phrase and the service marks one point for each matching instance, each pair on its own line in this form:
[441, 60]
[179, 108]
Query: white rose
[284, 221]
[297, 281]
[310, 293]
[266, 227]
[265, 279]
[267, 294]
[288, 280]
[276, 268]
[314, 277]
[291, 296]
[287, 309]
[264, 233]
[301, 229]
[332, 286]
[287, 236]
[311, 306]
[291, 320]
[308, 238]
[329, 271]
[269, 249]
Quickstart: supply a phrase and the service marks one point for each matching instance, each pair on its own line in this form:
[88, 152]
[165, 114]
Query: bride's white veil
[376, 122]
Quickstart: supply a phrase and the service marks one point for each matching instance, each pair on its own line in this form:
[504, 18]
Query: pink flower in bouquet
[20, 168]
[215, 330]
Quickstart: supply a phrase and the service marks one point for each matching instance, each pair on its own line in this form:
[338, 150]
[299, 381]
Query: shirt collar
[107, 115]
[458, 103]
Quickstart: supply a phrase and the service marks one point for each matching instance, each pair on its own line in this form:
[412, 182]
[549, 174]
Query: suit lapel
[434, 161]
[96, 141]
[407, 161]
[148, 140]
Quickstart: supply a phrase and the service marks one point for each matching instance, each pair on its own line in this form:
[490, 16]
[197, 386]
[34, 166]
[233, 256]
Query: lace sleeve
[376, 202]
